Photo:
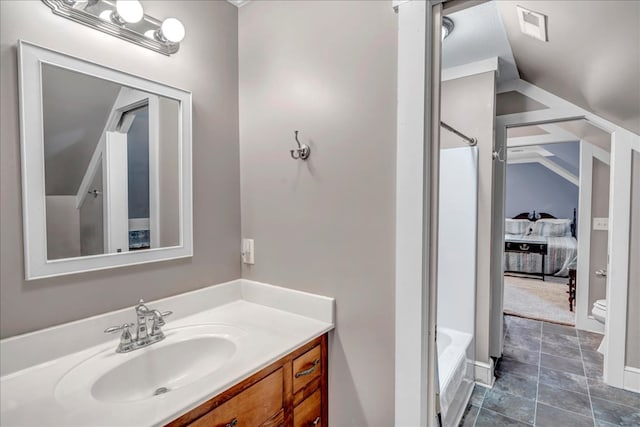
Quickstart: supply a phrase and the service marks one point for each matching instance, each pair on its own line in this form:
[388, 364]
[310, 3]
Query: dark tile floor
[550, 375]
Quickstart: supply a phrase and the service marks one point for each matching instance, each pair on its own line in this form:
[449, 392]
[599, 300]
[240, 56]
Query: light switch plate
[601, 223]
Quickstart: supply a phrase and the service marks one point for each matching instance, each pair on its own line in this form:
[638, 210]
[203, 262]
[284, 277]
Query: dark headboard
[534, 216]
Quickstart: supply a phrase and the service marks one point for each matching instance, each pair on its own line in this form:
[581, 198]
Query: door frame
[617, 290]
[615, 372]
[417, 156]
[588, 152]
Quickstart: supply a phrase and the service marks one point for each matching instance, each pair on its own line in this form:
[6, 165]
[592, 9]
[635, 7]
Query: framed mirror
[106, 166]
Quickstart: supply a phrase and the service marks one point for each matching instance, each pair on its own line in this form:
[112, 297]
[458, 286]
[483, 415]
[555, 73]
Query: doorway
[613, 280]
[543, 186]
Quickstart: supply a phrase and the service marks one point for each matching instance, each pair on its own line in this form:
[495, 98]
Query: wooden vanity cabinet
[289, 392]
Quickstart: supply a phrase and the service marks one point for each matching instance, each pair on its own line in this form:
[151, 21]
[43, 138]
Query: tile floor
[550, 375]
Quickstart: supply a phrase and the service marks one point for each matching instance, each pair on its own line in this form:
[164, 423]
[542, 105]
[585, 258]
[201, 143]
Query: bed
[549, 243]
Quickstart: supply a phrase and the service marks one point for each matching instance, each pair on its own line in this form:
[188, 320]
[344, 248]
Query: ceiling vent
[532, 23]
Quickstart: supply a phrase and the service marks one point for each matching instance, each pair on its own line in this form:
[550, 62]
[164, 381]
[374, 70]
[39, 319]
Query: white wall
[206, 65]
[457, 228]
[327, 69]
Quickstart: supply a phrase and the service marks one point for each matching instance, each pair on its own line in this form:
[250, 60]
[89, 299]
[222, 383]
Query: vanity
[116, 192]
[291, 391]
[240, 353]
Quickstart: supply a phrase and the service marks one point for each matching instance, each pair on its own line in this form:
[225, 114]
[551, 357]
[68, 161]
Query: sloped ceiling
[75, 110]
[592, 58]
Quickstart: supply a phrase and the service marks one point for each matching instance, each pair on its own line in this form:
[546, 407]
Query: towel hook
[496, 155]
[303, 150]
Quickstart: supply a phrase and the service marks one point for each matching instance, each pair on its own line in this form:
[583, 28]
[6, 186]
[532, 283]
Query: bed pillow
[517, 226]
[552, 228]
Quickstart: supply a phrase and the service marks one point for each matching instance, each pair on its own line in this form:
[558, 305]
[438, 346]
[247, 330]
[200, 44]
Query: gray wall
[532, 186]
[599, 238]
[169, 173]
[468, 104]
[206, 65]
[515, 102]
[327, 69]
[63, 227]
[138, 165]
[92, 219]
[633, 301]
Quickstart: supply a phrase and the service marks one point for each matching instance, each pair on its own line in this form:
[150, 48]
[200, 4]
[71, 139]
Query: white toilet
[599, 313]
[599, 310]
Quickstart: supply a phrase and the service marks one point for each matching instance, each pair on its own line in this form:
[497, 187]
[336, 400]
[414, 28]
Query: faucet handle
[158, 322]
[123, 328]
[126, 340]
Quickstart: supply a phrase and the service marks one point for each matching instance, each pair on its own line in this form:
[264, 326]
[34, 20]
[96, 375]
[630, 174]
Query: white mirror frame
[37, 266]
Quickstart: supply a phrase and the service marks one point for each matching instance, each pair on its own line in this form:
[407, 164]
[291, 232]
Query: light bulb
[106, 15]
[172, 30]
[129, 10]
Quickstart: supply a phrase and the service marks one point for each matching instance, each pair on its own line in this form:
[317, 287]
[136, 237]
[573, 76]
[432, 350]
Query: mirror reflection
[111, 159]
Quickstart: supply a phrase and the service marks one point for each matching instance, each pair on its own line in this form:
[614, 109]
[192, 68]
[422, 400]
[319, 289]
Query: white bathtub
[455, 369]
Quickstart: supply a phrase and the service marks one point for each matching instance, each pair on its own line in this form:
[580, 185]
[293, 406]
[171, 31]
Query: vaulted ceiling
[592, 58]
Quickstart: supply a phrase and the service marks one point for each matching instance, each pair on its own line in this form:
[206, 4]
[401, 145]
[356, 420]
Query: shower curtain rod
[471, 141]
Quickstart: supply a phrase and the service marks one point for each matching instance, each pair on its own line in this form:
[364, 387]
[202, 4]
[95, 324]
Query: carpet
[535, 299]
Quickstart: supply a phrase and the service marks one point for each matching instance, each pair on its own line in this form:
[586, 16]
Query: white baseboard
[631, 379]
[484, 373]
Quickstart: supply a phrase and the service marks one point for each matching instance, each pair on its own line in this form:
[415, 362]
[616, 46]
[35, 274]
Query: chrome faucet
[143, 337]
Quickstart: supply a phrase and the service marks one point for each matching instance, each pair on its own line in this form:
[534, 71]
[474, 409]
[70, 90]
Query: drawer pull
[233, 423]
[524, 247]
[308, 371]
[316, 422]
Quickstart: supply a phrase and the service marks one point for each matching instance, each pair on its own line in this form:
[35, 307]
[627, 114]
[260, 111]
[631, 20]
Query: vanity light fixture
[447, 27]
[124, 19]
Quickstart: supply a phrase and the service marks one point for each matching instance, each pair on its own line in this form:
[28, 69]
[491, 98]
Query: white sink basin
[183, 357]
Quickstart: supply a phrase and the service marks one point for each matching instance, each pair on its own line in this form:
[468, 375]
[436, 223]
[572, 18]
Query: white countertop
[273, 322]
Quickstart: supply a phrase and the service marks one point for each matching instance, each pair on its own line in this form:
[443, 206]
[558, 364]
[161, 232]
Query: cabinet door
[250, 408]
[308, 413]
[306, 368]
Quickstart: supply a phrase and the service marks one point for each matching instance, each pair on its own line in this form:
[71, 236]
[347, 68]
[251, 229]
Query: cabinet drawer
[308, 413]
[250, 408]
[306, 368]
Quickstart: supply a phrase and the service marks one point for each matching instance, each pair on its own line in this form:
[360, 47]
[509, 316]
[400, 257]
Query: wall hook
[302, 152]
[496, 155]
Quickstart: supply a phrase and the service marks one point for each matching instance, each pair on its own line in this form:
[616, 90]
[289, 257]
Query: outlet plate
[601, 224]
[248, 253]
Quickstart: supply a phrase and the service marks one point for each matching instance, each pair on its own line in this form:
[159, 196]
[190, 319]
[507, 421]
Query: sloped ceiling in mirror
[74, 127]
